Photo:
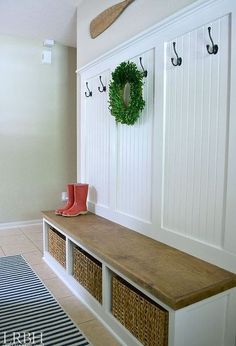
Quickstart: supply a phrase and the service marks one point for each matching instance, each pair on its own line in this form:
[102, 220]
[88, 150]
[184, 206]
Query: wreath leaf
[126, 72]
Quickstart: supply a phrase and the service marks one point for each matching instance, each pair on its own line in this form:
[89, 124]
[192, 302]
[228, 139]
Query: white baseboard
[20, 224]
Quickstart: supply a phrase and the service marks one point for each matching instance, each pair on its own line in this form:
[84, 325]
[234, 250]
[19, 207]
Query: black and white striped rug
[29, 314]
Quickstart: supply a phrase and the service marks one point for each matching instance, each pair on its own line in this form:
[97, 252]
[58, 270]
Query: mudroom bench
[146, 292]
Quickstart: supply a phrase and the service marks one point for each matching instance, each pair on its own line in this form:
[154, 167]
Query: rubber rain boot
[80, 198]
[70, 200]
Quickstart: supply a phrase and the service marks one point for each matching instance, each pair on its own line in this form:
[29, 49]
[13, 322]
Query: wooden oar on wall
[107, 17]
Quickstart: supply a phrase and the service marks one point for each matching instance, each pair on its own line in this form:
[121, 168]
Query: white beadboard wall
[95, 170]
[170, 176]
[196, 132]
[134, 155]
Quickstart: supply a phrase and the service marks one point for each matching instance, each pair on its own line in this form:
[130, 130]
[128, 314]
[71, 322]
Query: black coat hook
[144, 71]
[103, 88]
[178, 59]
[89, 91]
[214, 47]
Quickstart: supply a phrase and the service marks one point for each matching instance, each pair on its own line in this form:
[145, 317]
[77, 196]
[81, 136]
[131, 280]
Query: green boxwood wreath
[126, 72]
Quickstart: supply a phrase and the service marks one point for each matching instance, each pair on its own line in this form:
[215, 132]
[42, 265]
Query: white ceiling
[41, 19]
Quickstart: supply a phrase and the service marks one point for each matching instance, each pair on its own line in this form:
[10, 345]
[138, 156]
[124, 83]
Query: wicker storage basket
[88, 272]
[57, 246]
[145, 319]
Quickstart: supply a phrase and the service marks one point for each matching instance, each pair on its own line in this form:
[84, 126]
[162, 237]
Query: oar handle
[128, 2]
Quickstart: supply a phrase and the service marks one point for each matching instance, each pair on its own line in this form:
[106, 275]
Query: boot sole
[81, 213]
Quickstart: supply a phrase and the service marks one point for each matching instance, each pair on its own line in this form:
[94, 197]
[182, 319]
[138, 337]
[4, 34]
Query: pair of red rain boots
[76, 203]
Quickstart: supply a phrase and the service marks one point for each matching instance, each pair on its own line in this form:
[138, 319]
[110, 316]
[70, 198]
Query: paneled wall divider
[172, 175]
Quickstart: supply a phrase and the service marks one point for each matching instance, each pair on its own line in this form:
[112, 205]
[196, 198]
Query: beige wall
[37, 127]
[140, 15]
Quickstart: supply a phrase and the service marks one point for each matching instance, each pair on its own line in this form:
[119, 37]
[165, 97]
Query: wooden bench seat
[174, 277]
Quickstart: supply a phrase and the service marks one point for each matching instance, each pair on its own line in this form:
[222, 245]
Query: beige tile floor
[28, 241]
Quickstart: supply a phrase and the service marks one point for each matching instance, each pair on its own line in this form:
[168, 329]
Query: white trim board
[20, 224]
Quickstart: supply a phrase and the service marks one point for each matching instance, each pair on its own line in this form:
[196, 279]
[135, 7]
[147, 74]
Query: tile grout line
[32, 241]
[3, 251]
[92, 319]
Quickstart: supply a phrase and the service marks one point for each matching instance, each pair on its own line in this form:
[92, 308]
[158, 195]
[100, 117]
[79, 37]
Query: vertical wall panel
[134, 155]
[95, 165]
[196, 135]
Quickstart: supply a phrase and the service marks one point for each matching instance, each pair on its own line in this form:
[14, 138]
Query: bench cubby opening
[57, 246]
[87, 270]
[144, 318]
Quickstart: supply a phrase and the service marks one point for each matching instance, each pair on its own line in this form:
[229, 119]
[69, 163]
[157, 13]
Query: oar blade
[107, 17]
